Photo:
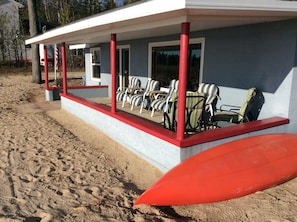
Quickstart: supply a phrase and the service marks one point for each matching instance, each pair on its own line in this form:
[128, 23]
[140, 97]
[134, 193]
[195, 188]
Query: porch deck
[146, 114]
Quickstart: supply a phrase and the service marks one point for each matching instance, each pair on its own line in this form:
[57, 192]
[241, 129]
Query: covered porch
[161, 147]
[146, 135]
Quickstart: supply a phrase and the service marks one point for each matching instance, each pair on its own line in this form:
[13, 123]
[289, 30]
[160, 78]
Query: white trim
[102, 21]
[267, 5]
[92, 64]
[79, 46]
[173, 43]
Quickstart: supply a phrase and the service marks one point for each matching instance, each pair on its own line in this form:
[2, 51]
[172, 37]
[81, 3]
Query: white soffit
[160, 17]
[78, 46]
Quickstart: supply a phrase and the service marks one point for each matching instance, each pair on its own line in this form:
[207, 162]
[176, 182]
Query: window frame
[151, 45]
[120, 74]
[95, 64]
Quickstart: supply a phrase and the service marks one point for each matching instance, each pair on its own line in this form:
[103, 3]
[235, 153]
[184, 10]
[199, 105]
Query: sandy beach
[55, 167]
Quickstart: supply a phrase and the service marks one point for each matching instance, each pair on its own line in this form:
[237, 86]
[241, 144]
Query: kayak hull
[227, 171]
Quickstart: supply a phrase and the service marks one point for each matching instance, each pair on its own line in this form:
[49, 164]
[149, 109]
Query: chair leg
[141, 107]
[152, 114]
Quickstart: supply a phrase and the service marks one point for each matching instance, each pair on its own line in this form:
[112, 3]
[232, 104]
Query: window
[96, 63]
[123, 65]
[164, 64]
[77, 58]
[77, 52]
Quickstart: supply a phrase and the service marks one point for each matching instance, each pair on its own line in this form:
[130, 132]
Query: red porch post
[182, 85]
[113, 70]
[45, 67]
[63, 49]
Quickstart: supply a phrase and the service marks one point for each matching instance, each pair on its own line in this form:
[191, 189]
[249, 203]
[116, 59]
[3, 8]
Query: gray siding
[258, 55]
[105, 58]
[254, 55]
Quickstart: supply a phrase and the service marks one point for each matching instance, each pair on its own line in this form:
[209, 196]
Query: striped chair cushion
[136, 99]
[152, 85]
[134, 83]
[162, 103]
[120, 95]
[212, 94]
[158, 104]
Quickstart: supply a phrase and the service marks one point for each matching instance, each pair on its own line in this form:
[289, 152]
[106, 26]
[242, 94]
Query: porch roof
[163, 17]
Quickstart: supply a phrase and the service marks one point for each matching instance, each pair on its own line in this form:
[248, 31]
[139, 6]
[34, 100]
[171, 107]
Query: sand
[55, 167]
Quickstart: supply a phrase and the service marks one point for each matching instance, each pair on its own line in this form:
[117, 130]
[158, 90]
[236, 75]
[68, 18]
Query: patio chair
[161, 102]
[211, 92]
[142, 98]
[195, 106]
[124, 94]
[235, 114]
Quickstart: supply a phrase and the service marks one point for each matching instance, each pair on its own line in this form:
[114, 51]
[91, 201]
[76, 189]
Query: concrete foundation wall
[158, 152]
[190, 151]
[87, 92]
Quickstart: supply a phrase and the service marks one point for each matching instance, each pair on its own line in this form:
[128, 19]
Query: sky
[120, 2]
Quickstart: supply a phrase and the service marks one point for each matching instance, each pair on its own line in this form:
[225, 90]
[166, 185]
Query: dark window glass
[96, 71]
[165, 64]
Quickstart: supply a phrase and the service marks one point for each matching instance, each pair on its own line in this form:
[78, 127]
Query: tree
[126, 2]
[3, 38]
[36, 70]
[11, 42]
[108, 4]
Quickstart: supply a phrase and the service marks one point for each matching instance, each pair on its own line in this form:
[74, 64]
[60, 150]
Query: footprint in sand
[67, 165]
[27, 154]
[53, 203]
[43, 170]
[45, 217]
[3, 155]
[2, 173]
[27, 178]
[68, 193]
[30, 192]
[72, 197]
[73, 203]
[94, 191]
[34, 193]
[78, 180]
[13, 200]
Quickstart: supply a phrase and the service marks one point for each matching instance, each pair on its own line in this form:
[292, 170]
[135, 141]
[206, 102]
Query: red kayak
[227, 171]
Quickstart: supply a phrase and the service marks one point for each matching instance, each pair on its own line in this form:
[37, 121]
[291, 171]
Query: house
[12, 47]
[237, 45]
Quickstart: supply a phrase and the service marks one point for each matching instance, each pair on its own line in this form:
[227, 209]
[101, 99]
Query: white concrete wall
[158, 152]
[190, 151]
[293, 103]
[51, 95]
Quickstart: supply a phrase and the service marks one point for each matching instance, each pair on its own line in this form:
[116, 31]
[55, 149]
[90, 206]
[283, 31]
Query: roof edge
[267, 5]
